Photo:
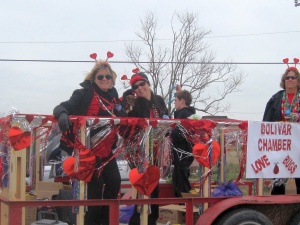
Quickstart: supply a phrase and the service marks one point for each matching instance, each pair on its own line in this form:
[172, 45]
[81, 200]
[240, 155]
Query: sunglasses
[290, 77]
[142, 84]
[107, 76]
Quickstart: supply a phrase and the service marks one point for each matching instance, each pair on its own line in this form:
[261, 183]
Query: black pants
[297, 181]
[152, 217]
[180, 180]
[105, 186]
[280, 190]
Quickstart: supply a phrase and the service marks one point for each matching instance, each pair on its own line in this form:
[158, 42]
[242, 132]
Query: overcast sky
[241, 31]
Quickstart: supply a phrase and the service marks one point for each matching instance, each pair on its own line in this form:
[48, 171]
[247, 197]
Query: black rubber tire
[244, 216]
[295, 219]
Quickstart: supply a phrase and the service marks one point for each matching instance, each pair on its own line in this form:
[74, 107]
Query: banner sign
[273, 150]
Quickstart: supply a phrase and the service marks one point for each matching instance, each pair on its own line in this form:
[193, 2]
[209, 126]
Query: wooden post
[144, 215]
[206, 189]
[80, 215]
[260, 187]
[17, 183]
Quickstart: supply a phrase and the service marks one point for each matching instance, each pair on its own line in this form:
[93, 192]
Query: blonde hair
[99, 66]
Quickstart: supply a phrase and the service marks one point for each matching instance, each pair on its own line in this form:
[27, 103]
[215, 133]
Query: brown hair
[282, 82]
[186, 95]
[99, 66]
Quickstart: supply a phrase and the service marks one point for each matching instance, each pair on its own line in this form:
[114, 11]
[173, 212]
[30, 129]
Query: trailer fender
[214, 211]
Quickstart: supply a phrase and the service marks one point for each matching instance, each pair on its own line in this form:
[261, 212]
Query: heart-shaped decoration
[124, 77]
[110, 54]
[201, 153]
[29, 118]
[145, 182]
[136, 70]
[19, 139]
[153, 123]
[104, 145]
[93, 56]
[286, 60]
[86, 165]
[296, 60]
[243, 125]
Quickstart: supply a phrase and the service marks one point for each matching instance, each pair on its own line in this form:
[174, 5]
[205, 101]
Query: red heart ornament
[29, 118]
[104, 146]
[110, 54]
[124, 77]
[145, 182]
[93, 56]
[86, 166]
[19, 139]
[243, 125]
[136, 70]
[286, 60]
[201, 154]
[153, 123]
[296, 60]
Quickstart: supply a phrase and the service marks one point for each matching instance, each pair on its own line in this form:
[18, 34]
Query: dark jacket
[142, 107]
[80, 101]
[179, 141]
[273, 108]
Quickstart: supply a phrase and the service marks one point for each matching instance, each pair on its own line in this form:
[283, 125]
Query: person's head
[140, 84]
[102, 75]
[290, 79]
[183, 99]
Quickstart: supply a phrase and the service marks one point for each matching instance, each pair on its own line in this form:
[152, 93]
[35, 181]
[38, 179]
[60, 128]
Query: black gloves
[64, 122]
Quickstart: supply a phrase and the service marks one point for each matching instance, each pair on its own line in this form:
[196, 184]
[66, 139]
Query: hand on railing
[64, 122]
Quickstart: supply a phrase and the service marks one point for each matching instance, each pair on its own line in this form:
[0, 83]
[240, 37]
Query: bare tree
[187, 62]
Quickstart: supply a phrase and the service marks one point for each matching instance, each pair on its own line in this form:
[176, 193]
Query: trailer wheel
[244, 217]
[296, 219]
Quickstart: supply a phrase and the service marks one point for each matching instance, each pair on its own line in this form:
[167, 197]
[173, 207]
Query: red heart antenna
[108, 54]
[136, 70]
[296, 60]
[124, 77]
[293, 68]
[94, 56]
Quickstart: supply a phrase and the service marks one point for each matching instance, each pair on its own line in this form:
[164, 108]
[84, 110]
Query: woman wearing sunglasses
[285, 106]
[97, 97]
[147, 105]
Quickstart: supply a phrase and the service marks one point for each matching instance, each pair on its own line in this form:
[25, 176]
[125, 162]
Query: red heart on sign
[296, 60]
[93, 56]
[286, 60]
[124, 77]
[136, 70]
[145, 182]
[86, 166]
[110, 54]
[19, 139]
[201, 153]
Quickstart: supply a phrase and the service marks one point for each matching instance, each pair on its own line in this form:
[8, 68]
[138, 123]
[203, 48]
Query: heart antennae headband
[135, 71]
[293, 68]
[108, 55]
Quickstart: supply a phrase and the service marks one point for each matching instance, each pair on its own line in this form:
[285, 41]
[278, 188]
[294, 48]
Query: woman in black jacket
[97, 97]
[285, 106]
[147, 105]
